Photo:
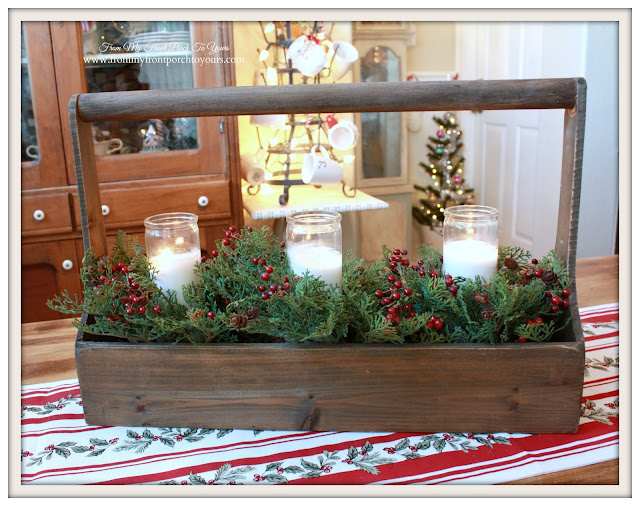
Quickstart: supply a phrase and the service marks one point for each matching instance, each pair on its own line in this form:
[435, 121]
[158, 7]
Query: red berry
[448, 281]
[393, 265]
[262, 288]
[226, 241]
[528, 275]
[538, 320]
[391, 279]
[405, 262]
[566, 292]
[554, 308]
[269, 269]
[538, 273]
[211, 315]
[215, 253]
[397, 284]
[135, 285]
[263, 262]
[142, 309]
[438, 324]
[408, 291]
[286, 279]
[286, 286]
[453, 289]
[420, 262]
[265, 276]
[395, 295]
[386, 300]
[434, 274]
[566, 303]
[143, 299]
[534, 261]
[130, 311]
[232, 229]
[203, 259]
[157, 309]
[255, 260]
[265, 296]
[555, 300]
[522, 339]
[404, 252]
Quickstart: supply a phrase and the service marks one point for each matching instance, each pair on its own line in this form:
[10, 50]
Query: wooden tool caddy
[515, 387]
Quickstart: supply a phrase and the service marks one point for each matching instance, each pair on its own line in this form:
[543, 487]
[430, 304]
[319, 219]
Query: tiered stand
[515, 387]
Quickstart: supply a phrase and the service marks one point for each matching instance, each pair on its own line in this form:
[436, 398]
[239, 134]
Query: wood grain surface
[48, 350]
[336, 98]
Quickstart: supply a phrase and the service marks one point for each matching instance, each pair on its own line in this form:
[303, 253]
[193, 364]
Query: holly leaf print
[171, 482]
[293, 470]
[439, 445]
[167, 441]
[224, 432]
[484, 441]
[368, 447]
[309, 466]
[95, 453]
[132, 434]
[402, 444]
[204, 432]
[313, 474]
[147, 434]
[352, 453]
[62, 452]
[276, 478]
[197, 479]
[256, 432]
[98, 442]
[423, 445]
[411, 455]
[80, 449]
[66, 444]
[188, 432]
[272, 466]
[501, 440]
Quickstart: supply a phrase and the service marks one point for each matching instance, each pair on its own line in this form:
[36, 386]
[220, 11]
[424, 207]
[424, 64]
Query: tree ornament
[440, 133]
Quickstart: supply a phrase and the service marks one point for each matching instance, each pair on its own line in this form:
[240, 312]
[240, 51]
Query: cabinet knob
[203, 201]
[105, 210]
[67, 265]
[38, 215]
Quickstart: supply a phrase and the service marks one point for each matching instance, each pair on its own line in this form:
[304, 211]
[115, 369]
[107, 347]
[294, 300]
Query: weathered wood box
[521, 387]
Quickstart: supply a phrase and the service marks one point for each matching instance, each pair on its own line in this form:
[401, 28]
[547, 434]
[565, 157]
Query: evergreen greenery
[388, 301]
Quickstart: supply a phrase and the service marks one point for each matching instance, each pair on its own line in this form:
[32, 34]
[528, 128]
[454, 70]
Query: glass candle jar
[314, 244]
[173, 248]
[470, 245]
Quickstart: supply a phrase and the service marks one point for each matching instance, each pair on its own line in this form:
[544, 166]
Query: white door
[514, 157]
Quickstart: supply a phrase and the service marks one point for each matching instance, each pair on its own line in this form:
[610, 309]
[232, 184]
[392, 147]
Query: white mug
[343, 59]
[297, 47]
[342, 134]
[320, 168]
[107, 147]
[32, 151]
[308, 57]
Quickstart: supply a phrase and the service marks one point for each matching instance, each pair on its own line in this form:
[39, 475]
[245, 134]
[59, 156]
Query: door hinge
[221, 125]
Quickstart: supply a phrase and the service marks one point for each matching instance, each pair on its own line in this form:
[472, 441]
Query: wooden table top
[48, 354]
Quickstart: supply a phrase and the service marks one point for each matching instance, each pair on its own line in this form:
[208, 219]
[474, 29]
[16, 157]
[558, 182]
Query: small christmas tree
[445, 168]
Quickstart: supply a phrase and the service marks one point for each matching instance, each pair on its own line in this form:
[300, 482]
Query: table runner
[58, 447]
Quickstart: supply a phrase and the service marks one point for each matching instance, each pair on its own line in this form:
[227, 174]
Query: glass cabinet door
[139, 55]
[29, 149]
[41, 152]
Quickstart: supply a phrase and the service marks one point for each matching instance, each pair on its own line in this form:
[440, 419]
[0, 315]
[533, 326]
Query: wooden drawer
[46, 213]
[127, 205]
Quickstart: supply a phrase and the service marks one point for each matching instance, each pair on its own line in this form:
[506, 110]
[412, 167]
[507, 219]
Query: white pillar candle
[175, 270]
[470, 258]
[321, 261]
